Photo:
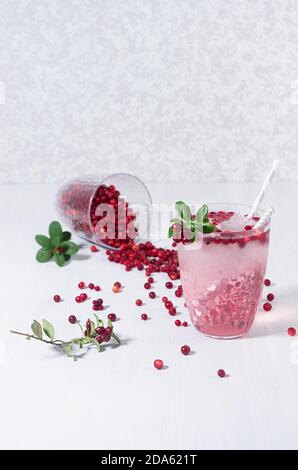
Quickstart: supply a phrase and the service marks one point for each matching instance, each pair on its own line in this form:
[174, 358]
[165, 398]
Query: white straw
[264, 219]
[261, 194]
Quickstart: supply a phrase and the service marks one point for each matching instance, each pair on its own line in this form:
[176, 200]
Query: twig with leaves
[95, 334]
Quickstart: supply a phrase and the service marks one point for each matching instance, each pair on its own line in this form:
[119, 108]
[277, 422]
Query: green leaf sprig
[188, 224]
[57, 245]
[45, 332]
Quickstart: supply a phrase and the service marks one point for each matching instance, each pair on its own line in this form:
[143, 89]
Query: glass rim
[103, 180]
[239, 233]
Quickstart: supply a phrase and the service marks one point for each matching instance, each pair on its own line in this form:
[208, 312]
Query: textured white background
[166, 89]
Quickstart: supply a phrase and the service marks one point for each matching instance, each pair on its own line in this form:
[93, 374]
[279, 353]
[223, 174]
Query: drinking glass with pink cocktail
[223, 271]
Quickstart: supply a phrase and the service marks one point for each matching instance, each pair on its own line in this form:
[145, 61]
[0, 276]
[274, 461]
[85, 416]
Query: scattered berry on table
[267, 282]
[270, 297]
[267, 307]
[185, 323]
[152, 295]
[139, 302]
[221, 373]
[178, 322]
[91, 285]
[81, 285]
[144, 316]
[72, 319]
[185, 349]
[93, 248]
[291, 331]
[57, 298]
[158, 364]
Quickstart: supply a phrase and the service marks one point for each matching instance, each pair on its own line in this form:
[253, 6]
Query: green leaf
[43, 241]
[48, 329]
[98, 321]
[170, 232]
[208, 228]
[110, 323]
[72, 248]
[43, 255]
[56, 242]
[66, 236]
[59, 259]
[202, 214]
[55, 230]
[67, 257]
[116, 338]
[175, 220]
[92, 329]
[183, 210]
[37, 329]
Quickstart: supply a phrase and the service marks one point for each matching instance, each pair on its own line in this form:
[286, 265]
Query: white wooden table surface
[116, 399]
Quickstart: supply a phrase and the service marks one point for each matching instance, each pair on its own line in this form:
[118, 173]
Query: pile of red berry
[97, 305]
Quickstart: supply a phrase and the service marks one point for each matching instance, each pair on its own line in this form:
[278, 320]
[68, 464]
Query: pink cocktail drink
[223, 272]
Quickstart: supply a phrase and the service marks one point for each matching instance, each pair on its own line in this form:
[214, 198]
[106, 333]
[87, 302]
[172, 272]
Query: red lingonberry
[221, 373]
[93, 248]
[72, 319]
[144, 316]
[78, 299]
[109, 330]
[178, 322]
[267, 307]
[139, 302]
[57, 298]
[81, 285]
[150, 280]
[291, 331]
[147, 285]
[118, 284]
[112, 316]
[185, 323]
[267, 282]
[172, 311]
[97, 288]
[83, 297]
[248, 227]
[91, 285]
[185, 350]
[178, 293]
[169, 285]
[158, 364]
[100, 330]
[116, 289]
[164, 299]
[168, 304]
[99, 339]
[152, 295]
[270, 297]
